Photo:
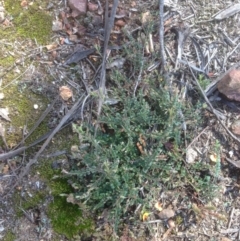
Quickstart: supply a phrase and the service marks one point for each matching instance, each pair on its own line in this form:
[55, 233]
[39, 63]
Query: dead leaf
[65, 92]
[145, 216]
[118, 63]
[57, 26]
[171, 223]
[120, 23]
[71, 199]
[2, 130]
[5, 169]
[213, 158]
[191, 155]
[1, 96]
[73, 38]
[166, 214]
[6, 22]
[51, 46]
[79, 55]
[225, 239]
[4, 114]
[146, 17]
[158, 206]
[24, 3]
[92, 7]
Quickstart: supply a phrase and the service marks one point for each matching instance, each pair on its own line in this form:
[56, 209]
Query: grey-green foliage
[113, 170]
[113, 173]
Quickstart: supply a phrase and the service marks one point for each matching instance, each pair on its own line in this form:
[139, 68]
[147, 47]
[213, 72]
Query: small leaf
[213, 158]
[158, 206]
[145, 216]
[4, 114]
[51, 46]
[65, 92]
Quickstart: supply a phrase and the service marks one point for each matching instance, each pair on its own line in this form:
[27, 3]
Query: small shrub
[138, 146]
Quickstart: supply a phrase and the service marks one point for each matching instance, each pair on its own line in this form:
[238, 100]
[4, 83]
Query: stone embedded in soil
[78, 7]
[236, 127]
[229, 85]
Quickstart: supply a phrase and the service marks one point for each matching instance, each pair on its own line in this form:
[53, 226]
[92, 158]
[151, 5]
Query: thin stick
[108, 26]
[153, 221]
[161, 34]
[197, 136]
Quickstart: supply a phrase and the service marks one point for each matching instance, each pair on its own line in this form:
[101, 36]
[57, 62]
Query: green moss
[29, 202]
[22, 113]
[6, 61]
[9, 236]
[67, 219]
[31, 23]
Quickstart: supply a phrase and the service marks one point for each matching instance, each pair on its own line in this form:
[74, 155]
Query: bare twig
[235, 163]
[139, 77]
[108, 26]
[231, 217]
[13, 81]
[161, 35]
[197, 137]
[153, 221]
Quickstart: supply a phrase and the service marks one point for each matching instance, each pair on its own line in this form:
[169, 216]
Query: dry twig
[108, 26]
[161, 34]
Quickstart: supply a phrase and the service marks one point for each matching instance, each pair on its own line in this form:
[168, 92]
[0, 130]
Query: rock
[78, 7]
[236, 127]
[229, 85]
